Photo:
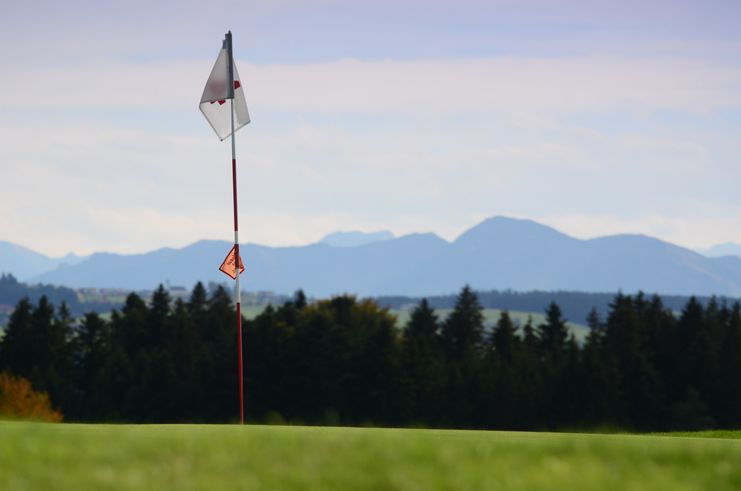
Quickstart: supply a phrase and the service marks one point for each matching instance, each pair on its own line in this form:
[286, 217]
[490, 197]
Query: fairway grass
[35, 456]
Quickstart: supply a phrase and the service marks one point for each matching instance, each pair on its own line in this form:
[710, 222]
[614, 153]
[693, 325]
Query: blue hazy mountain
[322, 268]
[498, 253]
[355, 238]
[727, 249]
[23, 263]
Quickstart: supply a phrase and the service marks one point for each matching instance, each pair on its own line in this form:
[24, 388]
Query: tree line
[12, 291]
[575, 306]
[344, 361]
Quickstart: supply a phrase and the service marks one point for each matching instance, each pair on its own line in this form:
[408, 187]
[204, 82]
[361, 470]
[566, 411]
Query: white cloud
[442, 87]
[409, 146]
[432, 88]
[86, 187]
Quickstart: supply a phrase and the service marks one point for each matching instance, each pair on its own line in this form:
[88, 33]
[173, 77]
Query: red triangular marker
[227, 267]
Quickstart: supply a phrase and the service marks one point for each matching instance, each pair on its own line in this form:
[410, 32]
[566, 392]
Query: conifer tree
[299, 299]
[500, 398]
[639, 385]
[729, 368]
[198, 300]
[599, 379]
[185, 394]
[504, 340]
[17, 345]
[462, 331]
[60, 369]
[221, 369]
[553, 334]
[462, 337]
[92, 344]
[528, 382]
[553, 342]
[694, 360]
[423, 366]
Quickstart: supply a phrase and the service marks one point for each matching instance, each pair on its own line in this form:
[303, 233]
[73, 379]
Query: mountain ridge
[26, 263]
[497, 253]
[719, 250]
[355, 238]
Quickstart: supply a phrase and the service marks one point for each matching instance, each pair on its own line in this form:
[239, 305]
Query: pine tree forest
[344, 361]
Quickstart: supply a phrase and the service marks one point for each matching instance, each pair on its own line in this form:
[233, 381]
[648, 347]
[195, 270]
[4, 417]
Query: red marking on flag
[223, 101]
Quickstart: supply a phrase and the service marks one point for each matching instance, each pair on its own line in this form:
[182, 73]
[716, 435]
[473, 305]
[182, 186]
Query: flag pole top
[230, 67]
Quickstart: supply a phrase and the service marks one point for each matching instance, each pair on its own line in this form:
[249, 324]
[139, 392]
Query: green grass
[734, 434]
[64, 457]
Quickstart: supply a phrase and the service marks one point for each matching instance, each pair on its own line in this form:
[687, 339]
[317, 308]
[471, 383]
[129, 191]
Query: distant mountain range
[25, 263]
[354, 239]
[499, 253]
[727, 249]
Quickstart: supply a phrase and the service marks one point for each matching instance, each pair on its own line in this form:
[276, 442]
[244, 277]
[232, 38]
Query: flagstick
[238, 292]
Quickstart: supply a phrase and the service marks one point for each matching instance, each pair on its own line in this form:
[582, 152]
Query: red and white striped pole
[238, 291]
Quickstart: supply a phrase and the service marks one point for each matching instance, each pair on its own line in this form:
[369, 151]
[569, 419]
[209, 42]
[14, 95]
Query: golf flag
[217, 92]
[228, 268]
[224, 83]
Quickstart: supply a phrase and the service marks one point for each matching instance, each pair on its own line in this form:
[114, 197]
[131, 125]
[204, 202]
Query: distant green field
[118, 298]
[252, 311]
[491, 316]
[210, 457]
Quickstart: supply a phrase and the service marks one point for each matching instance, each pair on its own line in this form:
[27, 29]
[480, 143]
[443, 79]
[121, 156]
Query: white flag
[216, 95]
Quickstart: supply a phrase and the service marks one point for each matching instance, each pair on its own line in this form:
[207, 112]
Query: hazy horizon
[715, 250]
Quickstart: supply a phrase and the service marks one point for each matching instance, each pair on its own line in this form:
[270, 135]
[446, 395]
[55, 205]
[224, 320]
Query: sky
[594, 117]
